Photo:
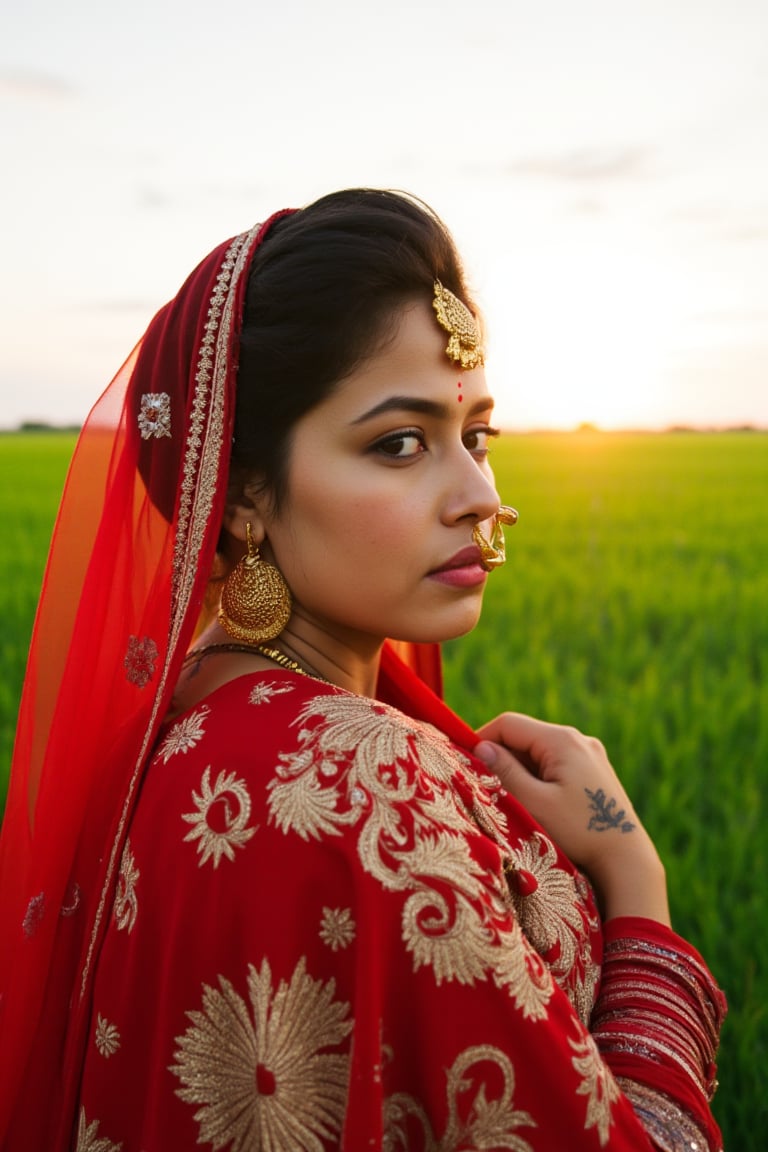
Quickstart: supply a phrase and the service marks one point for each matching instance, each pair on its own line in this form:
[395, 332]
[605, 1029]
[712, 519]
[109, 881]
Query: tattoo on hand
[605, 814]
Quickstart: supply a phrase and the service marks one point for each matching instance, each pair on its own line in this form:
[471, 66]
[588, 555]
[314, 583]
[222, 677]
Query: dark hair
[324, 292]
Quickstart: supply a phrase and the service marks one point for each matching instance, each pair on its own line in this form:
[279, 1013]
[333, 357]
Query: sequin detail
[154, 417]
[34, 915]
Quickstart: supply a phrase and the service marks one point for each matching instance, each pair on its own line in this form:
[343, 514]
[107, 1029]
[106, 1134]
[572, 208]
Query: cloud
[35, 86]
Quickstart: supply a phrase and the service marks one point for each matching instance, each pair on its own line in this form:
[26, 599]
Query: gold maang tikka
[492, 552]
[465, 345]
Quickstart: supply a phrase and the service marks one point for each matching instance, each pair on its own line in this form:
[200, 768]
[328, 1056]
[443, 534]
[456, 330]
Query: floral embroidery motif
[154, 418]
[88, 1139]
[553, 914]
[106, 1037]
[262, 1073]
[337, 929]
[184, 735]
[263, 693]
[140, 660]
[414, 838]
[480, 1089]
[33, 915]
[126, 905]
[597, 1084]
[221, 820]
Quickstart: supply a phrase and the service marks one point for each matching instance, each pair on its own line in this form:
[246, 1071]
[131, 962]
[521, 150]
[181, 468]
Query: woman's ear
[246, 504]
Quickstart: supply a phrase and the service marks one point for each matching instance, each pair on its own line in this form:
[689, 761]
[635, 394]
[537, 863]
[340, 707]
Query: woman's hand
[568, 784]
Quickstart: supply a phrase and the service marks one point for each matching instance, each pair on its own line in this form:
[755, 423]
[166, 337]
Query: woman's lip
[463, 570]
[465, 576]
[468, 557]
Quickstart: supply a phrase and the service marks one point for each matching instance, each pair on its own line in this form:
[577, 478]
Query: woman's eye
[478, 440]
[401, 446]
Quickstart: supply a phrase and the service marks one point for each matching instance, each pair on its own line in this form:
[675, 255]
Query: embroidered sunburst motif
[262, 1073]
[597, 1084]
[263, 693]
[185, 734]
[126, 905]
[221, 821]
[337, 928]
[88, 1139]
[106, 1037]
[154, 417]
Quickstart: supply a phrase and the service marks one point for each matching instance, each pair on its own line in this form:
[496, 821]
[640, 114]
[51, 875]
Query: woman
[259, 887]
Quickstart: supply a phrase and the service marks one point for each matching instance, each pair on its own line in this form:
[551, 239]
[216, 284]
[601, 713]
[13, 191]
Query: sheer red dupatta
[132, 550]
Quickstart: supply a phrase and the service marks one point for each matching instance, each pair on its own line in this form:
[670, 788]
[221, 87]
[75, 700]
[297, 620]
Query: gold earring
[255, 600]
[493, 553]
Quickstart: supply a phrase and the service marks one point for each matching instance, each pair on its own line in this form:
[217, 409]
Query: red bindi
[459, 397]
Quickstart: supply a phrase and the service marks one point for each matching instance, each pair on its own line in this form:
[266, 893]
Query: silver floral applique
[155, 415]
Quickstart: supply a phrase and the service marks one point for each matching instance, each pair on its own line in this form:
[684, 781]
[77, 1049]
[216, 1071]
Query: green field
[635, 606]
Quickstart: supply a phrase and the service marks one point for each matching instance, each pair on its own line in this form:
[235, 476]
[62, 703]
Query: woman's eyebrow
[425, 407]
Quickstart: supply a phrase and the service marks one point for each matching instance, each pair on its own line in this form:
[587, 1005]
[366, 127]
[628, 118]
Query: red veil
[132, 551]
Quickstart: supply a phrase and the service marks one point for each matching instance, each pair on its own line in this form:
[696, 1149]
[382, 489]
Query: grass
[634, 605]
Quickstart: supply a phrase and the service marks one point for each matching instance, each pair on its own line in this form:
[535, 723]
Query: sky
[602, 164]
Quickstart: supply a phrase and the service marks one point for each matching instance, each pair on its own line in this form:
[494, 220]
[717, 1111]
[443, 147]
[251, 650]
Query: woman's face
[387, 478]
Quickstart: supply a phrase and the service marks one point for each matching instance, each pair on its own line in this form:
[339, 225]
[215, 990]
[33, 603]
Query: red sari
[332, 930]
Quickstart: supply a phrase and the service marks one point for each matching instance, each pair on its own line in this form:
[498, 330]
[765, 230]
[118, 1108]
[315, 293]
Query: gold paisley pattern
[261, 1071]
[362, 764]
[220, 823]
[184, 735]
[88, 1139]
[597, 1084]
[480, 1089]
[126, 906]
[554, 915]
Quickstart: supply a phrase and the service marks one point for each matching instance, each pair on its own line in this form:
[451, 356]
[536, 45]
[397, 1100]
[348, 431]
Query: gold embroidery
[126, 903]
[553, 915]
[484, 1118]
[262, 693]
[198, 490]
[337, 928]
[140, 659]
[362, 763]
[221, 820]
[184, 735]
[88, 1139]
[264, 1076]
[106, 1037]
[597, 1084]
[154, 418]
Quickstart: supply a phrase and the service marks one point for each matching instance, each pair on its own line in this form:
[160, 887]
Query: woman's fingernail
[486, 752]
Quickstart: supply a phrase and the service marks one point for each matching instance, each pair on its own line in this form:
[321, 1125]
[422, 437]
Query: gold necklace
[273, 654]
